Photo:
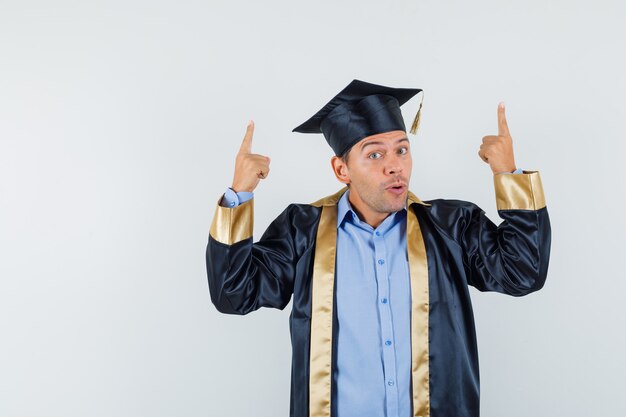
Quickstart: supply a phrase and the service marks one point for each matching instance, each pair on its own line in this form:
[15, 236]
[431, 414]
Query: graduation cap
[358, 111]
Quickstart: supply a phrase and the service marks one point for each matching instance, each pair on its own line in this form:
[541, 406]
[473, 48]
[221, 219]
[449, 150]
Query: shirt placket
[386, 324]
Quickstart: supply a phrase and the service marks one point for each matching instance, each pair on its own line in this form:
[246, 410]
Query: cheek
[369, 168]
[358, 173]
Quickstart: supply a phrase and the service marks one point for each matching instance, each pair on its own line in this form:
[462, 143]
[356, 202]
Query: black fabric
[361, 109]
[463, 247]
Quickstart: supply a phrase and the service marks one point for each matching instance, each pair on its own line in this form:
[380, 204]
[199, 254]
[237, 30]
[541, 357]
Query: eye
[403, 151]
[375, 155]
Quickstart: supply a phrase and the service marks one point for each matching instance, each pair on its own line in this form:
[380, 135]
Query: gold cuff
[519, 191]
[232, 225]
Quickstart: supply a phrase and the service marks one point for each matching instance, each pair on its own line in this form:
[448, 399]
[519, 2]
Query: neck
[365, 213]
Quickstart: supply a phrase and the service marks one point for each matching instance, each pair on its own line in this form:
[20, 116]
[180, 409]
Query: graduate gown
[451, 244]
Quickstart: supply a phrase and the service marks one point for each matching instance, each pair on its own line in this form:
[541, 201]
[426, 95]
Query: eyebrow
[404, 139]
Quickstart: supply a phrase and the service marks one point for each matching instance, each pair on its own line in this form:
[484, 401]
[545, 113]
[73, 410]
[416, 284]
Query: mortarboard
[360, 110]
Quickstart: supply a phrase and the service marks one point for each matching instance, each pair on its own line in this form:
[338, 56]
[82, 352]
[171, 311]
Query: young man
[381, 323]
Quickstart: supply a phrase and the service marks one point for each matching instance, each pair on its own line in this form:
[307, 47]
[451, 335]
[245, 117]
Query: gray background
[119, 123]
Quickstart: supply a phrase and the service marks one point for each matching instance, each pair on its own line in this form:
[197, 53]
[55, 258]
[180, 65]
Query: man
[381, 323]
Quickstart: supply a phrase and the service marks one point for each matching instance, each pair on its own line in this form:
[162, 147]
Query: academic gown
[450, 244]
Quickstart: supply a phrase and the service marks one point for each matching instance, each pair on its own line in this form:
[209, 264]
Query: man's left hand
[497, 151]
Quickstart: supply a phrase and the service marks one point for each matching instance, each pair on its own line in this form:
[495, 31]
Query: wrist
[241, 188]
[509, 169]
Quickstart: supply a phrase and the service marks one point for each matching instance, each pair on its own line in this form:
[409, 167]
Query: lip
[397, 188]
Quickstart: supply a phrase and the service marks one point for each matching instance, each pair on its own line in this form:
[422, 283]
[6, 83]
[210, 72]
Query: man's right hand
[249, 168]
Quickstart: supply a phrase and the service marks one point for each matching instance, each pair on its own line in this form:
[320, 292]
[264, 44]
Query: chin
[394, 206]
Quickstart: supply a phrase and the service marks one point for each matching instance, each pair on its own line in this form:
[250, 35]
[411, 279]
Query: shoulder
[446, 206]
[298, 214]
[441, 206]
[303, 216]
[450, 216]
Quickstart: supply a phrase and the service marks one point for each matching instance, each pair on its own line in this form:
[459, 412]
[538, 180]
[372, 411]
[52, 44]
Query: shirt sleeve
[517, 171]
[232, 199]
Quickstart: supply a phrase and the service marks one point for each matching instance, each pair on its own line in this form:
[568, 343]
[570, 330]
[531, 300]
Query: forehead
[388, 138]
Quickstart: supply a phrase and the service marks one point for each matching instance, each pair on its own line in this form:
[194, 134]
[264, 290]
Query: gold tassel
[416, 121]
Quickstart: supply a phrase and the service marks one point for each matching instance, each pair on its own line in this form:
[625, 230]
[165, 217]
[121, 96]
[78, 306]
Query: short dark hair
[345, 155]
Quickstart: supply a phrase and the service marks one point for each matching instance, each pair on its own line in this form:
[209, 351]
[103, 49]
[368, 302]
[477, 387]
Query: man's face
[378, 169]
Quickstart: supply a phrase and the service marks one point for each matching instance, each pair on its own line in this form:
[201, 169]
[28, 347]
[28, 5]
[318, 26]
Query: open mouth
[397, 188]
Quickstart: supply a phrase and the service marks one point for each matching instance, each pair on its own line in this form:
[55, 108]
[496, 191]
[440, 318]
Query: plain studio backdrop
[119, 125]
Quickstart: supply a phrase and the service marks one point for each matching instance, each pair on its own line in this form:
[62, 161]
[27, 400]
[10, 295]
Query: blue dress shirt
[373, 372]
[233, 199]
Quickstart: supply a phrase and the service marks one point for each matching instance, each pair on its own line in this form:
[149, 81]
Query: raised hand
[497, 151]
[249, 168]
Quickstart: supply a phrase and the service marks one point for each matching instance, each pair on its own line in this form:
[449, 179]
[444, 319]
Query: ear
[340, 169]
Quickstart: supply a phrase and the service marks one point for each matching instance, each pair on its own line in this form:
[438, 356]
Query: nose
[393, 165]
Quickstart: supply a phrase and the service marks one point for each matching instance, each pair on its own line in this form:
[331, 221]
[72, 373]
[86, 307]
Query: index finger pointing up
[246, 144]
[503, 128]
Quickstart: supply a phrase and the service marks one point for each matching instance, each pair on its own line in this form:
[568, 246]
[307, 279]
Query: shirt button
[388, 342]
[232, 204]
[384, 301]
[377, 233]
[381, 261]
[390, 382]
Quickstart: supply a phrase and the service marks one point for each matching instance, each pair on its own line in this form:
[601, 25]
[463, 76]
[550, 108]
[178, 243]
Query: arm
[244, 276]
[510, 258]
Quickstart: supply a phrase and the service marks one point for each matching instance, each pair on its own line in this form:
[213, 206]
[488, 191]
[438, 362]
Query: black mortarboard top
[358, 111]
